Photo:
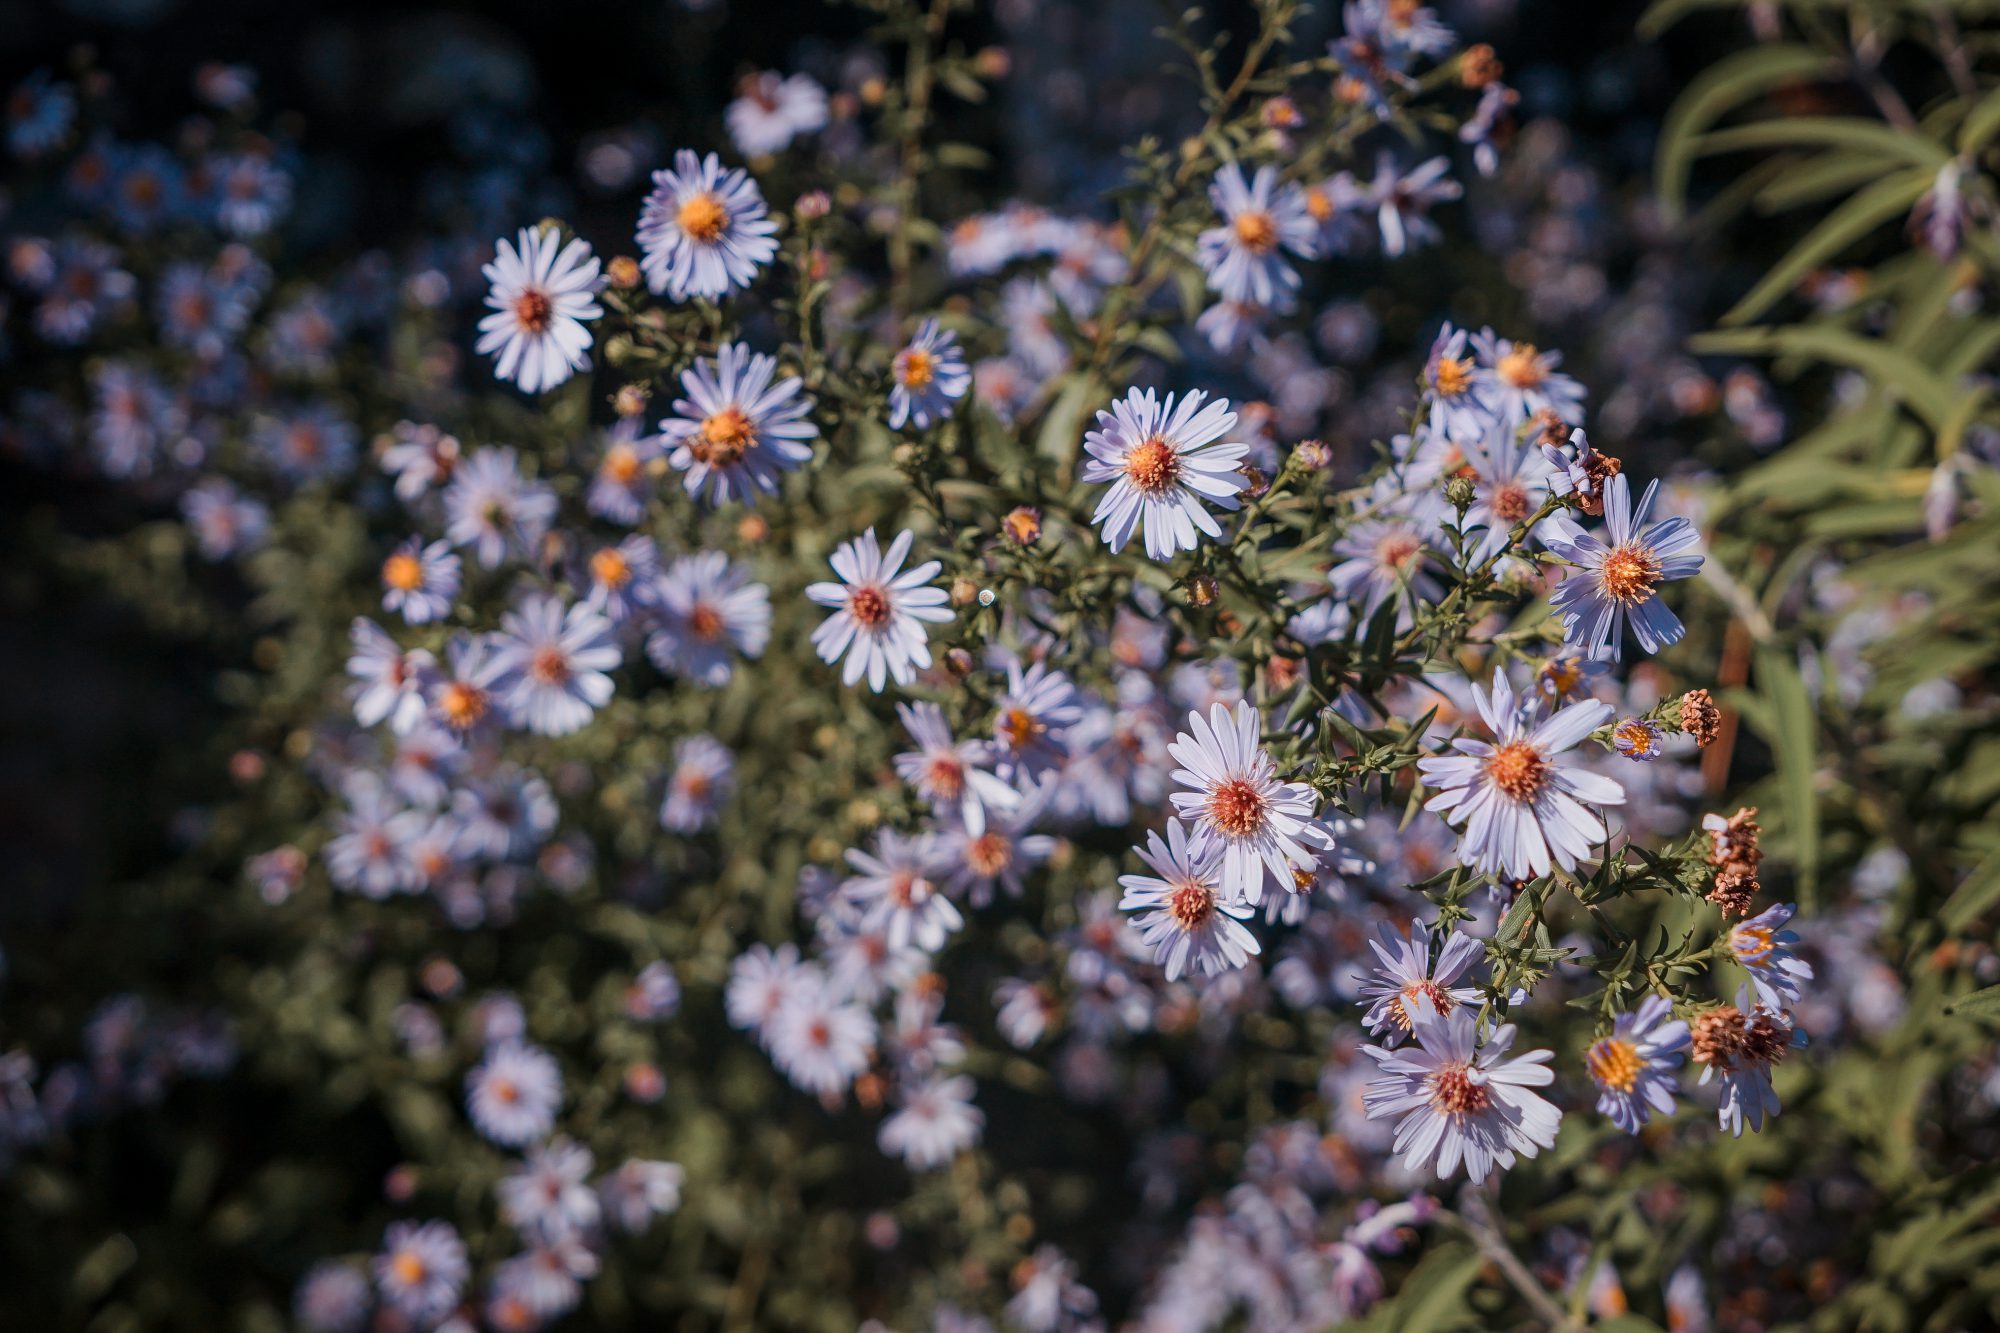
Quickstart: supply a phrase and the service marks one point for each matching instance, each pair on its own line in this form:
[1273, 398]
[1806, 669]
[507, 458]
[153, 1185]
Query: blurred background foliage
[1790, 203]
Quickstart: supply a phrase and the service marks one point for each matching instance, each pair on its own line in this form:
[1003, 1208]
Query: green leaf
[1794, 739]
[1720, 89]
[1929, 396]
[1974, 898]
[1433, 1295]
[1851, 134]
[1062, 429]
[1982, 123]
[1843, 227]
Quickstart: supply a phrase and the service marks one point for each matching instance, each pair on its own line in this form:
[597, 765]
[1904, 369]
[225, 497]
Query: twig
[1476, 1220]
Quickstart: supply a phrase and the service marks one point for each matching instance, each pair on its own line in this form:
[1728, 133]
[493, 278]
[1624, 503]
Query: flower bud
[1200, 590]
[752, 529]
[1479, 66]
[622, 272]
[963, 591]
[1023, 525]
[958, 662]
[1312, 455]
[630, 400]
[813, 205]
[1459, 493]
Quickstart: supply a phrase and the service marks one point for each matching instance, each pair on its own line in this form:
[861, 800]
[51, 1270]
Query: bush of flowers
[856, 751]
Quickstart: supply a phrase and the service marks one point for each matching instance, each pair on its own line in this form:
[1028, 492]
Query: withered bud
[1700, 718]
[958, 662]
[752, 529]
[964, 592]
[1312, 455]
[1258, 483]
[622, 272]
[813, 205]
[1200, 590]
[1479, 66]
[630, 400]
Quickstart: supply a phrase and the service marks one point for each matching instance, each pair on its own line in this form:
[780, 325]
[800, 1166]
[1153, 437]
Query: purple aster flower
[623, 481]
[1165, 467]
[878, 623]
[950, 774]
[736, 430]
[1261, 219]
[1407, 978]
[1618, 576]
[1030, 723]
[709, 614]
[490, 507]
[1381, 558]
[420, 582]
[513, 1094]
[1458, 1102]
[554, 662]
[703, 230]
[1638, 738]
[1258, 821]
[1522, 808]
[1457, 409]
[542, 294]
[1634, 1066]
[1763, 947]
[935, 1122]
[391, 683]
[624, 579]
[998, 853]
[1519, 379]
[929, 377]
[704, 776]
[224, 521]
[1185, 918]
[899, 889]
[422, 1269]
[1742, 1043]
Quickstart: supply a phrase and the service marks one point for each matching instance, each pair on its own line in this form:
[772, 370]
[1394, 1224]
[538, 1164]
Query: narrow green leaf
[1843, 227]
[1974, 898]
[1794, 740]
[1724, 86]
[1849, 134]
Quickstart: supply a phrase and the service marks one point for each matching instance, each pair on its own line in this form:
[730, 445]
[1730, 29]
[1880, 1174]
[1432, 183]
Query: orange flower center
[724, 438]
[1153, 465]
[1454, 1092]
[610, 568]
[1453, 376]
[533, 309]
[1319, 204]
[1256, 231]
[945, 775]
[408, 1268]
[621, 464]
[506, 1090]
[703, 217]
[915, 368]
[868, 606]
[1018, 727]
[1237, 808]
[1614, 1062]
[1522, 367]
[462, 704]
[1630, 573]
[1518, 769]
[1396, 550]
[1636, 737]
[403, 572]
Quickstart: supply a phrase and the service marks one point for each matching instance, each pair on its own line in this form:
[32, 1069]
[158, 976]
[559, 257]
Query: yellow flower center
[703, 217]
[1256, 231]
[915, 368]
[1153, 465]
[1630, 573]
[1518, 769]
[403, 572]
[1614, 1062]
[724, 438]
[1522, 367]
[610, 568]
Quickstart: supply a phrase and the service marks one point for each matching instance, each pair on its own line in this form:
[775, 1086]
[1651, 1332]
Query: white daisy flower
[1461, 1102]
[555, 660]
[737, 430]
[880, 615]
[550, 1198]
[1618, 576]
[542, 292]
[936, 1123]
[1260, 219]
[1163, 461]
[929, 376]
[762, 981]
[703, 230]
[389, 683]
[1522, 808]
[704, 775]
[1183, 916]
[770, 111]
[1237, 798]
[422, 1269]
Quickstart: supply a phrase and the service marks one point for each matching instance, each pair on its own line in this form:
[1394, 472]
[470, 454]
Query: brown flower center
[1153, 465]
[1518, 769]
[549, 666]
[1237, 808]
[1256, 231]
[705, 622]
[868, 606]
[1397, 550]
[945, 776]
[1454, 1092]
[724, 438]
[1191, 905]
[403, 572]
[1509, 502]
[989, 854]
[1630, 573]
[703, 217]
[533, 309]
[1614, 1062]
[1399, 1007]
[1018, 727]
